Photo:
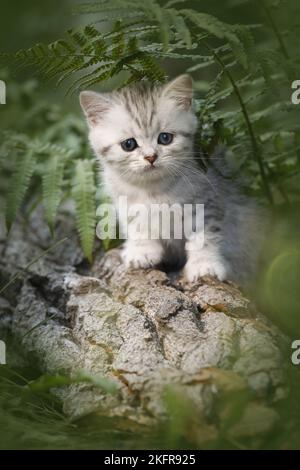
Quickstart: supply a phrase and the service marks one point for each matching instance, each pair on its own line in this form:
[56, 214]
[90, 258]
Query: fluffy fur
[233, 226]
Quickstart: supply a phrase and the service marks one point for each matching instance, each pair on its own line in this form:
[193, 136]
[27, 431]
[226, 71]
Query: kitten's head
[143, 133]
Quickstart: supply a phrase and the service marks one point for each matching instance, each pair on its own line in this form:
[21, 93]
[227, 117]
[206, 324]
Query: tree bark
[146, 331]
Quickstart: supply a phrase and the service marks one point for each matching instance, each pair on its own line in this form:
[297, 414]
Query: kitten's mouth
[150, 168]
[151, 172]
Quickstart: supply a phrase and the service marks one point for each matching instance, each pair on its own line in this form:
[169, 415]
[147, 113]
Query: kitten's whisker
[172, 173]
[204, 175]
[179, 172]
[179, 166]
[196, 172]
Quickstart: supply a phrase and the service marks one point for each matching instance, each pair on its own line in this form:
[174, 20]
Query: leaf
[52, 187]
[108, 386]
[84, 195]
[118, 41]
[239, 52]
[109, 244]
[211, 24]
[181, 27]
[19, 184]
[47, 382]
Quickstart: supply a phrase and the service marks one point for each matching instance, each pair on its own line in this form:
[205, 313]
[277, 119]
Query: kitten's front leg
[204, 259]
[142, 253]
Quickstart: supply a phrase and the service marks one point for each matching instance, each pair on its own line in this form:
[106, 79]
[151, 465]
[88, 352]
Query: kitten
[144, 138]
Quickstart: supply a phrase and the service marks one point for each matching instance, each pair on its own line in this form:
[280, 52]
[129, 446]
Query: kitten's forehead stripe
[140, 101]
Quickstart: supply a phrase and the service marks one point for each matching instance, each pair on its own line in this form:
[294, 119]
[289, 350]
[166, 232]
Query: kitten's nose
[151, 158]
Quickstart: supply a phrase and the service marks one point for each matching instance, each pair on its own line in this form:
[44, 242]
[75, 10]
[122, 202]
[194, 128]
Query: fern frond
[282, 106]
[211, 24]
[105, 6]
[180, 26]
[19, 184]
[98, 75]
[84, 196]
[151, 68]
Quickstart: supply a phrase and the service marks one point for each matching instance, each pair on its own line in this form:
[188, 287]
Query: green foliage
[43, 158]
[45, 382]
[32, 415]
[130, 46]
[242, 76]
[278, 286]
[19, 183]
[84, 195]
[52, 187]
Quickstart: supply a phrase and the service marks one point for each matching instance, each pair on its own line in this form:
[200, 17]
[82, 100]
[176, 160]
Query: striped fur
[233, 224]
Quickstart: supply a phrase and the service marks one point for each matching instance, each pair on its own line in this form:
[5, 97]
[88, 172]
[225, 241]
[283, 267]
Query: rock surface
[145, 331]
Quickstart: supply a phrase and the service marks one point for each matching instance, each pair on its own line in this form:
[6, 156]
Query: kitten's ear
[94, 105]
[181, 90]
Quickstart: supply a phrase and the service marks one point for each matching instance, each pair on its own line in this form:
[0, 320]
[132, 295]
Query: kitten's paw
[198, 267]
[142, 256]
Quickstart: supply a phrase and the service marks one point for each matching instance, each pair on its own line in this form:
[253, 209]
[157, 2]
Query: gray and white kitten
[144, 138]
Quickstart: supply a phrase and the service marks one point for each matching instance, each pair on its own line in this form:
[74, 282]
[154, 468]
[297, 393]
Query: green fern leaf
[211, 24]
[152, 69]
[117, 7]
[52, 180]
[118, 41]
[180, 27]
[18, 185]
[84, 195]
[91, 79]
[88, 78]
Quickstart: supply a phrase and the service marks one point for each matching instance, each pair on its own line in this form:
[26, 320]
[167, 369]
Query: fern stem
[255, 146]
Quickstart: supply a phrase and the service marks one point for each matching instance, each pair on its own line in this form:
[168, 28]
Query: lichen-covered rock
[145, 331]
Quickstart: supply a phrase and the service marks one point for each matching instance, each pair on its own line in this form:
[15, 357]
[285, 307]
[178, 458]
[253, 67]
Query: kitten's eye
[129, 145]
[165, 138]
